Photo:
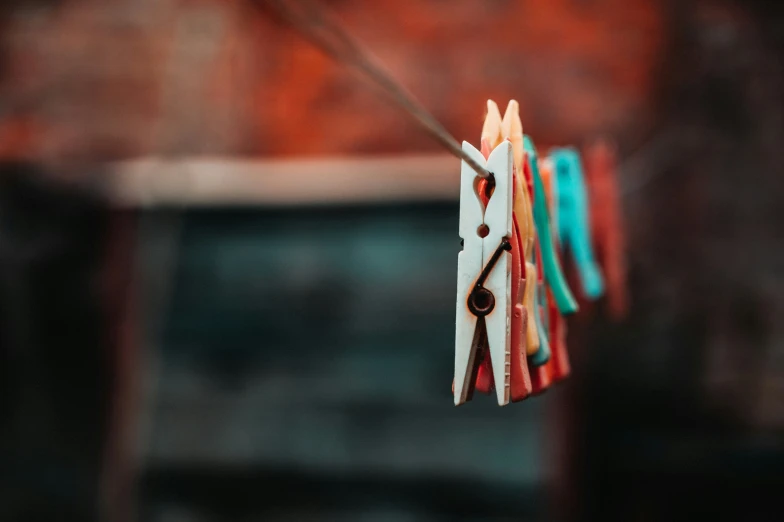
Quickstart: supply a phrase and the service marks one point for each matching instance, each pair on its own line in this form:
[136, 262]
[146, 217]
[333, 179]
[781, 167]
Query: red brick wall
[126, 78]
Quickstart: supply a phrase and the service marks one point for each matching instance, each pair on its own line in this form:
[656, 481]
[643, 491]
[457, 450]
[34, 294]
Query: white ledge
[281, 182]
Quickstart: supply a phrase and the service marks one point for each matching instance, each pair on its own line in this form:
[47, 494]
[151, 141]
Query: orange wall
[128, 78]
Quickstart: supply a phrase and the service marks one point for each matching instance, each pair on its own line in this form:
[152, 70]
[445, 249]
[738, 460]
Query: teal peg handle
[574, 227]
[553, 273]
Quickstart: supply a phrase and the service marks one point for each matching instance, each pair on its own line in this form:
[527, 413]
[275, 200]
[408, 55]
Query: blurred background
[227, 264]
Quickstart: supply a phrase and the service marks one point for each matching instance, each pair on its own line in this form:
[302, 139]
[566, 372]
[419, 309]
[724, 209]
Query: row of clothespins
[518, 226]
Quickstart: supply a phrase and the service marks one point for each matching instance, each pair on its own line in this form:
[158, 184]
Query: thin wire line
[316, 26]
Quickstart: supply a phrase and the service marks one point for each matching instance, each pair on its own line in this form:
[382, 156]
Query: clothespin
[552, 269]
[520, 382]
[573, 225]
[550, 363]
[538, 349]
[606, 223]
[543, 354]
[512, 129]
[558, 366]
[539, 361]
[484, 280]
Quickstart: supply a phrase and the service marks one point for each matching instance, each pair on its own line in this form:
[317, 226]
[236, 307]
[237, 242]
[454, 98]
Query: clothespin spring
[481, 300]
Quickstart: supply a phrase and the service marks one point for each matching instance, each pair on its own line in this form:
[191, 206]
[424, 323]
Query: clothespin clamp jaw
[574, 220]
[484, 274]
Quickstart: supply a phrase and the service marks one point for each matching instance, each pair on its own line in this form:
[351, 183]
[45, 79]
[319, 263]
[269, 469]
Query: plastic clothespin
[538, 343]
[494, 130]
[558, 364]
[520, 382]
[552, 269]
[574, 220]
[607, 226]
[512, 129]
[484, 274]
[521, 386]
[538, 362]
[545, 365]
[490, 138]
[542, 355]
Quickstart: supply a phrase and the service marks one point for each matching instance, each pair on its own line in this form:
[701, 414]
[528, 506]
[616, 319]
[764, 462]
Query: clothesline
[323, 31]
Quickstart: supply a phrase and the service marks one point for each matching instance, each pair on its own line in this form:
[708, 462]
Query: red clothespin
[512, 129]
[607, 223]
[558, 365]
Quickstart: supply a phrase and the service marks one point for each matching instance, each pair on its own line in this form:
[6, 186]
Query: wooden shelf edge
[319, 181]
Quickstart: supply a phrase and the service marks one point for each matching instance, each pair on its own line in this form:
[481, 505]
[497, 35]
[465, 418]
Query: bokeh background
[227, 264]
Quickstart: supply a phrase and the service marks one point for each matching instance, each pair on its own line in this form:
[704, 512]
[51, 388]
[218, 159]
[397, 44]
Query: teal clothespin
[574, 228]
[552, 269]
[542, 355]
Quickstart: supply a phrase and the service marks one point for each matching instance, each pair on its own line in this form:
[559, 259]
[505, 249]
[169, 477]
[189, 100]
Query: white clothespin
[484, 273]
